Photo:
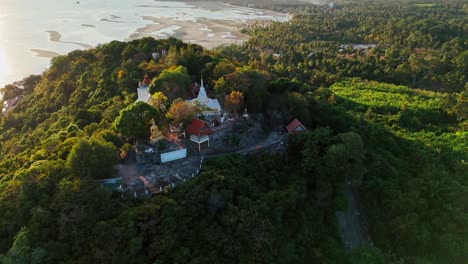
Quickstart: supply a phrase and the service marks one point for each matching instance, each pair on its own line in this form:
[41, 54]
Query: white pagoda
[211, 106]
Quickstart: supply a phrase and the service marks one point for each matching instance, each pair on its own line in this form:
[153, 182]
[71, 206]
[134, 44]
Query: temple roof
[202, 97]
[198, 127]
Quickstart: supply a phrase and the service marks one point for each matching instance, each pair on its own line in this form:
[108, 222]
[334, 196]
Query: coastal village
[173, 153]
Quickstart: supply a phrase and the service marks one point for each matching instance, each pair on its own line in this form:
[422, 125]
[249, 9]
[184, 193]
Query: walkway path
[271, 141]
[350, 221]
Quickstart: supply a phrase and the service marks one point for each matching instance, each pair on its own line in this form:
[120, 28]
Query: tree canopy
[132, 120]
[182, 111]
[173, 82]
[92, 159]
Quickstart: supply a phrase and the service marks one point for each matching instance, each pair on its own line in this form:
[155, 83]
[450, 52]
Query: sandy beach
[208, 33]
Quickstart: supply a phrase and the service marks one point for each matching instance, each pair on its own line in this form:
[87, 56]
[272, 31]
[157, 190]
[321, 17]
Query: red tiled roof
[198, 127]
[296, 127]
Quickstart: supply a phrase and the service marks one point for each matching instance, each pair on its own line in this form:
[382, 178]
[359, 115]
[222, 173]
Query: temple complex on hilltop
[199, 131]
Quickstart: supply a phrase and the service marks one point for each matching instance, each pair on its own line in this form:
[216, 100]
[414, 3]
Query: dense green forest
[416, 45]
[415, 187]
[393, 117]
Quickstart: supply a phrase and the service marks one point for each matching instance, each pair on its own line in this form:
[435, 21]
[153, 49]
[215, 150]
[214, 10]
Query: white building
[143, 94]
[11, 103]
[143, 90]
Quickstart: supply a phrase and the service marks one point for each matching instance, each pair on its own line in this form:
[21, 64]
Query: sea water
[24, 26]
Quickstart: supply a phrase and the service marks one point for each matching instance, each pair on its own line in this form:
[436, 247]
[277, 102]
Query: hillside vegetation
[393, 118]
[415, 188]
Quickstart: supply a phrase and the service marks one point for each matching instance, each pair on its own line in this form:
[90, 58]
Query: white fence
[174, 155]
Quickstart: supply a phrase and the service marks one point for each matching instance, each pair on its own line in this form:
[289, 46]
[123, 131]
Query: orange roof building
[199, 132]
[198, 127]
[295, 127]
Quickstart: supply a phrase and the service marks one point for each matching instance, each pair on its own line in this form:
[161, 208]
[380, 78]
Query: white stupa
[143, 90]
[212, 105]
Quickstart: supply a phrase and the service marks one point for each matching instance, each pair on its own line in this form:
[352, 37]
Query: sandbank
[55, 36]
[45, 53]
[208, 33]
[110, 20]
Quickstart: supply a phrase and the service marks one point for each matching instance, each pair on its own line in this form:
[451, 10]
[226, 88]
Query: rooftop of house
[296, 127]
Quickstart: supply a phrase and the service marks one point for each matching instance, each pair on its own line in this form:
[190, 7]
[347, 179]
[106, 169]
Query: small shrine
[176, 128]
[176, 131]
[246, 114]
[156, 135]
[295, 127]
